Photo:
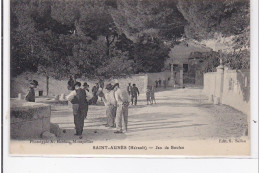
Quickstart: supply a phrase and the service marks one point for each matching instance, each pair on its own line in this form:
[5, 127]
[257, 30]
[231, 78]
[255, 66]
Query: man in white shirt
[88, 94]
[122, 99]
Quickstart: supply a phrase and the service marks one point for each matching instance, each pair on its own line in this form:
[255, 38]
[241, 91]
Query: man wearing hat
[122, 100]
[79, 105]
[30, 96]
[110, 103]
[88, 93]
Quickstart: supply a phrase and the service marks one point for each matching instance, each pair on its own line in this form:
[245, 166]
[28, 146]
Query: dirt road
[178, 114]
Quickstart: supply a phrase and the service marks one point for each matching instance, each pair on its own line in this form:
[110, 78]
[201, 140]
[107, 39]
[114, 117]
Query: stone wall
[29, 120]
[229, 87]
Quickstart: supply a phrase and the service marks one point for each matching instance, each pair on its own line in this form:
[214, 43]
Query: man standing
[30, 96]
[79, 105]
[88, 94]
[94, 92]
[71, 83]
[129, 89]
[160, 82]
[156, 83]
[135, 93]
[122, 109]
[101, 85]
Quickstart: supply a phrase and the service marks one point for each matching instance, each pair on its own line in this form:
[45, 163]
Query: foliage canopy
[113, 37]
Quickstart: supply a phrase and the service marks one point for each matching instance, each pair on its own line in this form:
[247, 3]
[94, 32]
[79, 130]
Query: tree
[149, 55]
[117, 66]
[219, 20]
[210, 62]
[23, 39]
[98, 24]
[206, 17]
[159, 19]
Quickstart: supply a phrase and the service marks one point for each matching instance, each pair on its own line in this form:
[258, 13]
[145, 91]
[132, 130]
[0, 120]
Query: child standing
[148, 95]
[152, 95]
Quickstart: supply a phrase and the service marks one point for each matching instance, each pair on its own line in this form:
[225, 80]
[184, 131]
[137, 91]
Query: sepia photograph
[130, 77]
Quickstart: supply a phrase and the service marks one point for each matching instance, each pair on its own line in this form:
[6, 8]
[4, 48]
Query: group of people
[159, 82]
[94, 90]
[115, 100]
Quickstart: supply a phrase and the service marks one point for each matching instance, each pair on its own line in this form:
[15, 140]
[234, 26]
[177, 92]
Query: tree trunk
[108, 46]
[47, 85]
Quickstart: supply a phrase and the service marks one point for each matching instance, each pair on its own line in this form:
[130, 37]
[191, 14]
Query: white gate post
[219, 84]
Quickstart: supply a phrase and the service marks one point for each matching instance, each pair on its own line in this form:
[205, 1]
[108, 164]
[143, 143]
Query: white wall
[152, 77]
[236, 88]
[20, 84]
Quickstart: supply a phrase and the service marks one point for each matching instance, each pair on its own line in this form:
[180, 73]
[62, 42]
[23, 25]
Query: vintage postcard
[130, 77]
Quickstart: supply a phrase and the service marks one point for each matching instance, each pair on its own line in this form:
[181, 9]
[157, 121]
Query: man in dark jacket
[79, 106]
[156, 84]
[94, 92]
[135, 93]
[160, 82]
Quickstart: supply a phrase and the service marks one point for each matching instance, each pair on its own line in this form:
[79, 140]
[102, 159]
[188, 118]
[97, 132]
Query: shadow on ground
[92, 135]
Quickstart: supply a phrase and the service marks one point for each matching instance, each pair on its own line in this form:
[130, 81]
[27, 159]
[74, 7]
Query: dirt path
[179, 113]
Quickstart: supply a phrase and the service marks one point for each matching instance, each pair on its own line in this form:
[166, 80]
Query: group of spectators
[115, 100]
[72, 81]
